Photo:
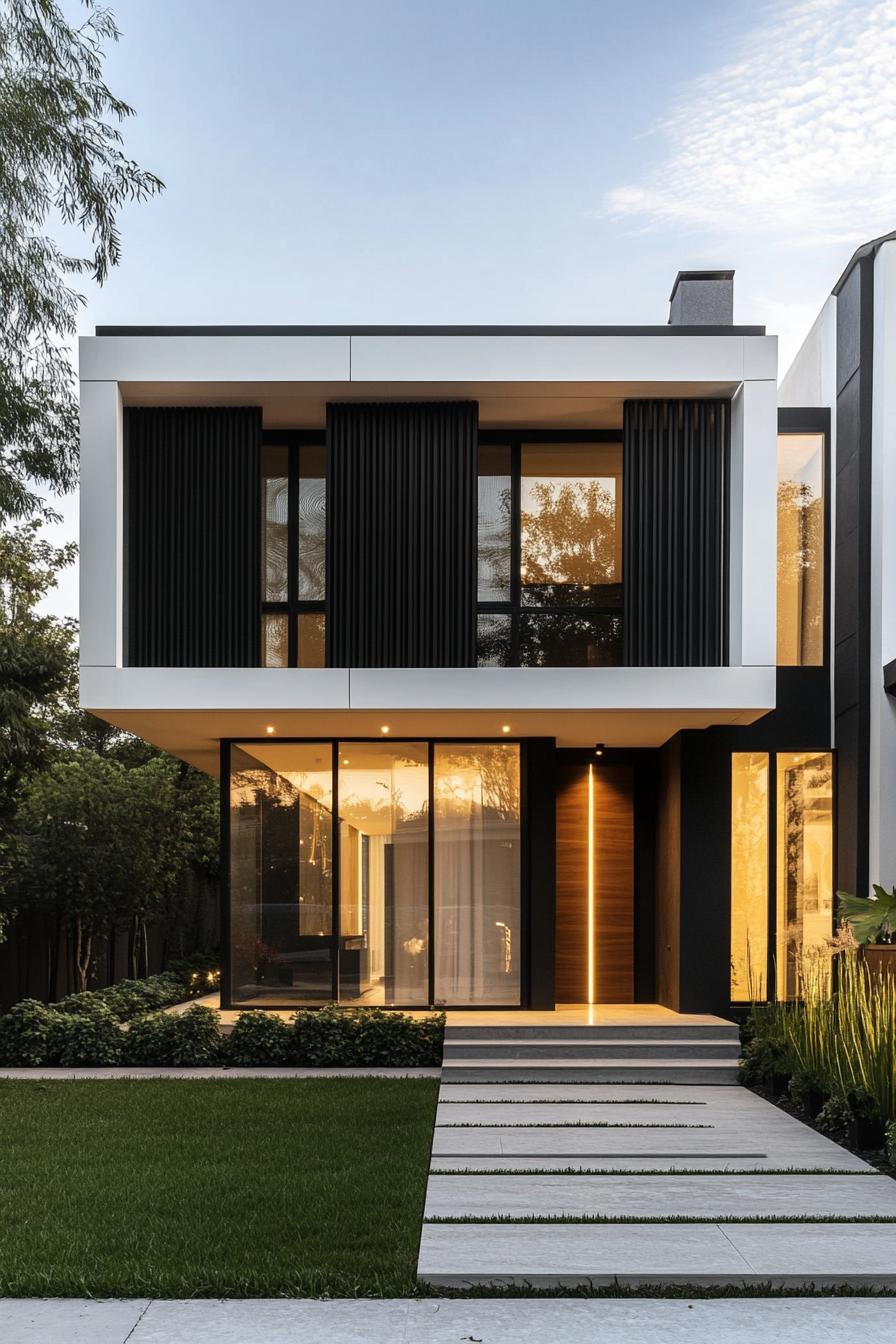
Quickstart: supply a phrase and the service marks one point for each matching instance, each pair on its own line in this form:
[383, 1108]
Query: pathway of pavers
[442, 1321]
[525, 1176]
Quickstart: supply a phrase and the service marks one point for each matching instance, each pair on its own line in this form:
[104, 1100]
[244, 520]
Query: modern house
[517, 650]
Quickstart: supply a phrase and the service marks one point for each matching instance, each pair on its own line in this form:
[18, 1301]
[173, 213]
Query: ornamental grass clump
[837, 1043]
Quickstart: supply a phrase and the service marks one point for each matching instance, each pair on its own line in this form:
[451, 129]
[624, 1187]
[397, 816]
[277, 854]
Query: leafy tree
[62, 162]
[101, 847]
[75, 849]
[37, 658]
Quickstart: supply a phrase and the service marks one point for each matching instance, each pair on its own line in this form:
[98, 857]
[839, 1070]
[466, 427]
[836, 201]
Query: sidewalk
[434, 1321]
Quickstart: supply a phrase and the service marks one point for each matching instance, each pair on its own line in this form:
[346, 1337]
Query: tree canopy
[63, 171]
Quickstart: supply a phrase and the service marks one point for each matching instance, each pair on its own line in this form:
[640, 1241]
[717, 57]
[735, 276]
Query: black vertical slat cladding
[192, 536]
[401, 534]
[675, 468]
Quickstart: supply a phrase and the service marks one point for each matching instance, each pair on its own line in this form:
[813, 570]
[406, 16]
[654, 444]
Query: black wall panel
[401, 534]
[852, 572]
[192, 536]
[675, 502]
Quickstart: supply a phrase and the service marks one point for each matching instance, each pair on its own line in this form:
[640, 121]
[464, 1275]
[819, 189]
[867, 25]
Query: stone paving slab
[563, 1255]
[550, 1142]
[61, 1320]
[447, 1321]
[753, 1196]
[568, 1113]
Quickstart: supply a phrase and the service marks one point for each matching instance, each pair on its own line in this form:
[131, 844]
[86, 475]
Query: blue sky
[497, 160]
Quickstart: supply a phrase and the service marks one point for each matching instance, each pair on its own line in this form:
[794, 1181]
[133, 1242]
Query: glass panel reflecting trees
[805, 861]
[570, 524]
[550, 555]
[797, 844]
[384, 872]
[294, 552]
[494, 515]
[312, 524]
[749, 877]
[275, 519]
[281, 872]
[800, 550]
[477, 873]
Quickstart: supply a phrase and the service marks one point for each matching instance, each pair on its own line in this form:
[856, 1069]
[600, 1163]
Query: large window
[293, 540]
[414, 898]
[383, 872]
[477, 873]
[801, 549]
[281, 873]
[550, 554]
[782, 824]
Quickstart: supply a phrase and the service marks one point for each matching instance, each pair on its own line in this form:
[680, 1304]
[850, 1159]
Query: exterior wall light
[269, 729]
[599, 748]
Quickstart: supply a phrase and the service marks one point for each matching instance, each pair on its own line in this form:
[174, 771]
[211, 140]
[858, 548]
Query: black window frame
[293, 440]
[515, 440]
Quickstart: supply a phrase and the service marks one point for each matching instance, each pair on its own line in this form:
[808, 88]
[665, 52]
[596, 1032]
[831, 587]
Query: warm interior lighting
[270, 728]
[505, 727]
[598, 748]
[385, 728]
[591, 884]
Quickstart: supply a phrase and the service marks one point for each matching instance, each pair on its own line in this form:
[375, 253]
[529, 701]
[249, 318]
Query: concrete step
[726, 1031]
[587, 1048]
[623, 1070]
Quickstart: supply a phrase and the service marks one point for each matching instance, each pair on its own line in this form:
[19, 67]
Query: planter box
[880, 958]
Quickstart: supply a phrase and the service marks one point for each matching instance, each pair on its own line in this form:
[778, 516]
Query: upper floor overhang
[522, 377]
[186, 711]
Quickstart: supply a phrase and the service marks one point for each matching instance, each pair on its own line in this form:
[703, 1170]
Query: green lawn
[213, 1188]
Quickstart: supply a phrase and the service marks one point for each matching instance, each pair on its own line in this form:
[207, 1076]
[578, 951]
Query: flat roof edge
[665, 330]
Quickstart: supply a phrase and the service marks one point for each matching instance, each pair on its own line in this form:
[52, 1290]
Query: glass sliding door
[478, 946]
[383, 873]
[281, 873]
[322, 911]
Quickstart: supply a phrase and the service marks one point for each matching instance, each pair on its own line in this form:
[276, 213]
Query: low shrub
[333, 1037]
[767, 1061]
[891, 1143]
[835, 1117]
[26, 1034]
[257, 1039]
[181, 1040]
[808, 1091]
[85, 1038]
[128, 998]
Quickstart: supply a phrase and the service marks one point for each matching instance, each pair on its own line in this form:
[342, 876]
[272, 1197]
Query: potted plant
[872, 921]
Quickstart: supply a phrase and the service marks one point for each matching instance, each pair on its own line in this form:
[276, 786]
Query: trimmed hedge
[88, 1033]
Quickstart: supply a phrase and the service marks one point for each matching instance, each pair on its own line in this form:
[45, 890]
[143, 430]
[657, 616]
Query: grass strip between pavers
[557, 1101]
[568, 1124]
[647, 1171]
[513, 1219]
[213, 1188]
[655, 1291]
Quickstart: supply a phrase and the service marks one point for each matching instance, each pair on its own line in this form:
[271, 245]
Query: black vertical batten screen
[192, 536]
[401, 534]
[675, 503]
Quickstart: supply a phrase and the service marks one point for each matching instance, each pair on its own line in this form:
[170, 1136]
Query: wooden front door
[595, 883]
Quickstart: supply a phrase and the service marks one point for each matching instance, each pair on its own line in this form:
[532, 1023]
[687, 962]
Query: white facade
[548, 380]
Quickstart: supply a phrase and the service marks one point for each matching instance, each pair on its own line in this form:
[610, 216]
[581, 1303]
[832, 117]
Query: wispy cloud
[795, 136]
